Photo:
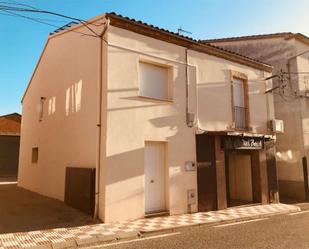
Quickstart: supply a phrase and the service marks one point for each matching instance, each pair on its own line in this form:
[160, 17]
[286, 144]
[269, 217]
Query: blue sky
[21, 41]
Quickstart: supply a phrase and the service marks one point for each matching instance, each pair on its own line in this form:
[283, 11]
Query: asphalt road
[282, 231]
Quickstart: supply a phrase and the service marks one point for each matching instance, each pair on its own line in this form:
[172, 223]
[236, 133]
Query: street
[22, 210]
[282, 231]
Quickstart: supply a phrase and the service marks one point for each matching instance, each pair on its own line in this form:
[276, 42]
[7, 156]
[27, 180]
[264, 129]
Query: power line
[32, 9]
[11, 2]
[9, 13]
[296, 72]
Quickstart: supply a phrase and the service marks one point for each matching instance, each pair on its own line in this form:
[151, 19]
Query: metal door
[80, 189]
[206, 173]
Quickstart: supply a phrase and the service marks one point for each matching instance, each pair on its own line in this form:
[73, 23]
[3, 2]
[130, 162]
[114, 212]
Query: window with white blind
[154, 81]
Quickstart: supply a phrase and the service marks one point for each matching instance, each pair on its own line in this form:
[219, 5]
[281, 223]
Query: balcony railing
[240, 115]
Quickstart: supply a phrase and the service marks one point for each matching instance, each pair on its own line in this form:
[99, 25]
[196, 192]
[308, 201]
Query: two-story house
[288, 53]
[123, 120]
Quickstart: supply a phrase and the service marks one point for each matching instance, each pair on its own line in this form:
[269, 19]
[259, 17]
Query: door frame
[166, 175]
[227, 175]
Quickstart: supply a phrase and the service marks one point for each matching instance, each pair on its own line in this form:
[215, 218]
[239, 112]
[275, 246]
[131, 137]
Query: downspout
[187, 89]
[99, 123]
[190, 117]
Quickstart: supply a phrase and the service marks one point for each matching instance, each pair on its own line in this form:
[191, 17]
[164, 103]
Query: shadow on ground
[22, 210]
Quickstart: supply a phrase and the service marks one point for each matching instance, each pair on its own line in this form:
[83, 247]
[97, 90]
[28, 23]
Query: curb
[253, 217]
[127, 235]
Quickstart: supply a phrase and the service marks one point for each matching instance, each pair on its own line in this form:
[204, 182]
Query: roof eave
[164, 35]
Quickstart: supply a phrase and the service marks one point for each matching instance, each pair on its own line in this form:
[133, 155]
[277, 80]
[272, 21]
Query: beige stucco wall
[133, 120]
[67, 76]
[214, 97]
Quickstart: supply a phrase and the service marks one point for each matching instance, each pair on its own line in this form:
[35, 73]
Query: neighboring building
[9, 144]
[289, 54]
[115, 125]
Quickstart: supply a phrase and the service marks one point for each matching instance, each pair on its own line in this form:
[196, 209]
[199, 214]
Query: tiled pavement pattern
[77, 236]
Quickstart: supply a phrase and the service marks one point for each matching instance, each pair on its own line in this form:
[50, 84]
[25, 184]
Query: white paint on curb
[240, 222]
[136, 240]
[300, 212]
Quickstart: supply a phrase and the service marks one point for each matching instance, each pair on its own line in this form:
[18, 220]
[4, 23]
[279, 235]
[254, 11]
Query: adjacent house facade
[289, 54]
[125, 120]
[9, 144]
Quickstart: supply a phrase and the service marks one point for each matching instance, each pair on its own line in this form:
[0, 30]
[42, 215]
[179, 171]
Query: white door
[154, 177]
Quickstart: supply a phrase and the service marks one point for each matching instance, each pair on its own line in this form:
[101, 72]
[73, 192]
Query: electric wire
[32, 9]
[42, 22]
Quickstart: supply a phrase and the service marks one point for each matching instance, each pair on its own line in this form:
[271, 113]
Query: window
[35, 155]
[240, 101]
[154, 81]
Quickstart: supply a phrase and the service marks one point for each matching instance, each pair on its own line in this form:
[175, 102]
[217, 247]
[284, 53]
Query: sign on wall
[244, 143]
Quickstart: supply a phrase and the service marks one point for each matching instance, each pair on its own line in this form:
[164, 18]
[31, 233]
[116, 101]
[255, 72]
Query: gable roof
[285, 35]
[10, 124]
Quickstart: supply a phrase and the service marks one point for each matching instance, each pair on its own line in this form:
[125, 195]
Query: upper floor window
[240, 101]
[154, 81]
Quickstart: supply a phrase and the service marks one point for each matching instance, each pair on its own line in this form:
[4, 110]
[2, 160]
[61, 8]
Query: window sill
[248, 129]
[155, 99]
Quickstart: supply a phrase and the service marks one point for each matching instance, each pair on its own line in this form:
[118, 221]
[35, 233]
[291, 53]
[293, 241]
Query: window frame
[169, 70]
[235, 75]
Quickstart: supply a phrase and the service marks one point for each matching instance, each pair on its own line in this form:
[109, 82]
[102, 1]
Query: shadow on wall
[288, 156]
[219, 93]
[127, 177]
[73, 98]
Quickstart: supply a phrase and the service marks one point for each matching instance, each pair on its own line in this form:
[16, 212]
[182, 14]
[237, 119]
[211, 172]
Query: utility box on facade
[190, 166]
[191, 196]
[277, 126]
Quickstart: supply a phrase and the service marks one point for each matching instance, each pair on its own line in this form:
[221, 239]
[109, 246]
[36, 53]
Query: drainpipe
[99, 123]
[190, 117]
[187, 89]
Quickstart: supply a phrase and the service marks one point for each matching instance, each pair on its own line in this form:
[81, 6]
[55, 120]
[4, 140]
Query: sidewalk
[78, 236]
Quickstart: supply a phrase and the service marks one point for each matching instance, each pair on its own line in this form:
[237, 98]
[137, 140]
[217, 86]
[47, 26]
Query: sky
[22, 40]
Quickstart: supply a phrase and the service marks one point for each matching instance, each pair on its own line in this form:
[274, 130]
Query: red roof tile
[10, 124]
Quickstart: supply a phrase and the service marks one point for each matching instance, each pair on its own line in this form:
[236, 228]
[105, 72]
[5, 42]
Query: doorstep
[60, 238]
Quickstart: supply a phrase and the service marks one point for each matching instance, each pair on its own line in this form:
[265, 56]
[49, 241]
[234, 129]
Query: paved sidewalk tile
[68, 237]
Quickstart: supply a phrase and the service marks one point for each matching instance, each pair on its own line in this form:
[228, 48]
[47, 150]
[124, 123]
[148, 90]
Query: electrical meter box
[191, 197]
[190, 166]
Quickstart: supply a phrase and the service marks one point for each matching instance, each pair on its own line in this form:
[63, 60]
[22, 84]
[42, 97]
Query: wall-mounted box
[190, 166]
[191, 195]
[277, 126]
